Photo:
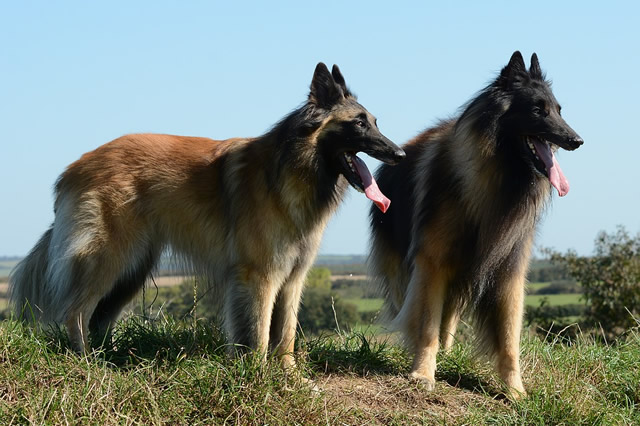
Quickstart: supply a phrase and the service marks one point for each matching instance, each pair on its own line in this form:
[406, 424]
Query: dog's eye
[360, 123]
[540, 111]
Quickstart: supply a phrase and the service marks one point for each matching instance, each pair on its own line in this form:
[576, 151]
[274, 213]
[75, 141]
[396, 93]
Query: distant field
[533, 287]
[554, 299]
[6, 266]
[366, 305]
[331, 259]
[168, 281]
[3, 295]
[369, 305]
[363, 305]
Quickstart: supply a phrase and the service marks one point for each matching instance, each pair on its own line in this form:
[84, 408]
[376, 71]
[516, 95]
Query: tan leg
[285, 315]
[262, 309]
[448, 327]
[248, 310]
[425, 319]
[510, 311]
[78, 330]
[285, 321]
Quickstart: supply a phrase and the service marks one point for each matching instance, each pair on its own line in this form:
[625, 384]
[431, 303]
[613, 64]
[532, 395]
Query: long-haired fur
[467, 201]
[246, 214]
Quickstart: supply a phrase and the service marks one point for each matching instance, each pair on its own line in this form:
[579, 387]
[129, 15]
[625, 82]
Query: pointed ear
[513, 70]
[534, 69]
[339, 79]
[517, 61]
[324, 91]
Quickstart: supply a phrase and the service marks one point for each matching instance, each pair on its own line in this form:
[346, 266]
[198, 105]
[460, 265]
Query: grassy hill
[177, 373]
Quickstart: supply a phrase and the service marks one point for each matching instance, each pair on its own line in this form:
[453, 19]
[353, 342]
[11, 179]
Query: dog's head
[532, 119]
[346, 129]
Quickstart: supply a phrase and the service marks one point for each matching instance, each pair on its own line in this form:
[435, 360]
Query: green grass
[554, 299]
[168, 372]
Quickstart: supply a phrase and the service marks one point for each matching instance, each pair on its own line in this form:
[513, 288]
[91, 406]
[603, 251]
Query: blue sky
[74, 75]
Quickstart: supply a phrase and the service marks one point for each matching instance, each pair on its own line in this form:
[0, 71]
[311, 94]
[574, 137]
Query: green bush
[320, 309]
[610, 280]
[560, 287]
[320, 278]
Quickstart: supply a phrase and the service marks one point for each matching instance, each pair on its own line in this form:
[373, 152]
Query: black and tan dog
[467, 201]
[247, 214]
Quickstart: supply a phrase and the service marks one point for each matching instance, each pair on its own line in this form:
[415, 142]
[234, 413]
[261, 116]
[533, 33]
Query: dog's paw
[516, 393]
[311, 384]
[426, 382]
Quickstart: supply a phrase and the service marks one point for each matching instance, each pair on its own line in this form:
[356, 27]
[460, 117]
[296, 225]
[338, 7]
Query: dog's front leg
[285, 317]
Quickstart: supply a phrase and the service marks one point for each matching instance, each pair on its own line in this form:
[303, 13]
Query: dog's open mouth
[359, 176]
[545, 162]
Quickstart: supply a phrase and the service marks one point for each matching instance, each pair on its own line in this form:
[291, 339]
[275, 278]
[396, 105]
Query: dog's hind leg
[131, 280]
[449, 324]
[422, 317]
[90, 279]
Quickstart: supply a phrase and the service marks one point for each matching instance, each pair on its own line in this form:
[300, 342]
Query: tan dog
[247, 214]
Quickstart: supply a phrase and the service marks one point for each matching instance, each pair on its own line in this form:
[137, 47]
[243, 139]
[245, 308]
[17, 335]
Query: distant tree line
[322, 307]
[544, 271]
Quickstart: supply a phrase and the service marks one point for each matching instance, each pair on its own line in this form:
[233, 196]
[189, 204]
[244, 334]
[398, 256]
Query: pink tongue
[371, 189]
[556, 177]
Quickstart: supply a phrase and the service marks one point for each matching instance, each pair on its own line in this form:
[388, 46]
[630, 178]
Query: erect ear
[325, 92]
[534, 69]
[339, 79]
[516, 62]
[514, 69]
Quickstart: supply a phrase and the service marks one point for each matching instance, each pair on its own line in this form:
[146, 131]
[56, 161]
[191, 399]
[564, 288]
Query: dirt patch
[389, 399]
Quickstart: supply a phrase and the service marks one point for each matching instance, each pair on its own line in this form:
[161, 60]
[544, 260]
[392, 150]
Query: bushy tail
[389, 275]
[28, 282]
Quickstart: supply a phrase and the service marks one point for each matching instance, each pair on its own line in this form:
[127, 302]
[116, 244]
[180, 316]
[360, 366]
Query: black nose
[576, 142]
[400, 154]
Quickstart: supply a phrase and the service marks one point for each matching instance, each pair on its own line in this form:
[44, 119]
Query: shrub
[317, 312]
[610, 280]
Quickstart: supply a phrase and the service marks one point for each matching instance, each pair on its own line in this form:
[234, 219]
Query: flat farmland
[5, 267]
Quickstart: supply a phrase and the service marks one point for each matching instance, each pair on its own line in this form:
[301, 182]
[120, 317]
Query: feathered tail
[28, 282]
